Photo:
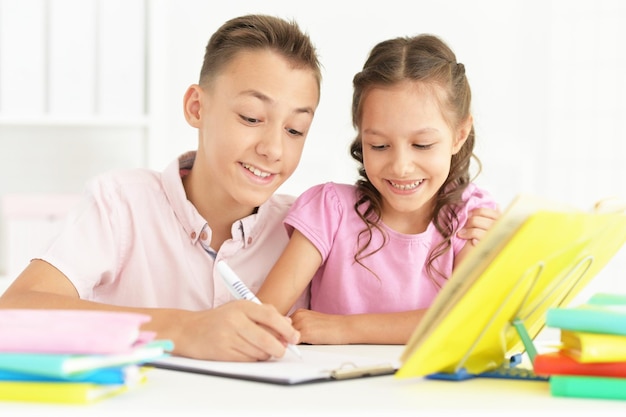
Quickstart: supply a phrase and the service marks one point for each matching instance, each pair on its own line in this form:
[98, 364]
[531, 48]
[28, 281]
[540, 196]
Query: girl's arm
[331, 329]
[291, 274]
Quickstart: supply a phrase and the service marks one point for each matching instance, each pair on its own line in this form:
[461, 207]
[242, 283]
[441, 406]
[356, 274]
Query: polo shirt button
[249, 240]
[193, 235]
[203, 236]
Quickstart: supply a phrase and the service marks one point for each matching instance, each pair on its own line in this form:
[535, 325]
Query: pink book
[71, 331]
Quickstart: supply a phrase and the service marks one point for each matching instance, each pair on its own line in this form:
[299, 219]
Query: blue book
[115, 375]
[63, 365]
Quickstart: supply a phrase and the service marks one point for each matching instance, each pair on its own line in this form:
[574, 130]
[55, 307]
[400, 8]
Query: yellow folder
[58, 392]
[536, 256]
[594, 347]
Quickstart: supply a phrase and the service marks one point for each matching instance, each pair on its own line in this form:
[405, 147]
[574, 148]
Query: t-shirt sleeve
[87, 249]
[474, 197]
[317, 214]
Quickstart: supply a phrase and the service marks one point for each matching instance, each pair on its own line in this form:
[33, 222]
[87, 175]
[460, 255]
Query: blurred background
[93, 85]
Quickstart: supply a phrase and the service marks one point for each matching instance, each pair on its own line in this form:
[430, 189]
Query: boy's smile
[253, 119]
[257, 174]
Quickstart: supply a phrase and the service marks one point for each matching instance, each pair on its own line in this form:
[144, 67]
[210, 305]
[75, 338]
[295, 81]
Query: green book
[603, 313]
[588, 387]
[602, 298]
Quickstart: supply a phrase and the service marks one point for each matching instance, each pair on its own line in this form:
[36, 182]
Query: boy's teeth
[256, 171]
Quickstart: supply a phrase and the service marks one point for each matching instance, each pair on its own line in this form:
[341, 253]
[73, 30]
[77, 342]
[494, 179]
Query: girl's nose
[401, 163]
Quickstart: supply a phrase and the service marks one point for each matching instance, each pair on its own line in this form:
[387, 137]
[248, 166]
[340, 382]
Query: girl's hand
[478, 223]
[318, 328]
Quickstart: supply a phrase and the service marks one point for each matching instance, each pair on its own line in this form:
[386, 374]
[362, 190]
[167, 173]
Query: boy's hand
[236, 331]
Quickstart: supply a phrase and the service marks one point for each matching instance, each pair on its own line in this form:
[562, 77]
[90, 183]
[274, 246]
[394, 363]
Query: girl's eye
[419, 146]
[378, 147]
[294, 132]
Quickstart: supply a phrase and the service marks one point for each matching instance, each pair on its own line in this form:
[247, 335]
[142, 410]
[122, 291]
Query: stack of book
[73, 356]
[591, 361]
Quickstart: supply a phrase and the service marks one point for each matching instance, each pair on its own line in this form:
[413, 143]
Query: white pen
[240, 291]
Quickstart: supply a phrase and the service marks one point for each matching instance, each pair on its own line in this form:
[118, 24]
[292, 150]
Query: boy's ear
[462, 134]
[192, 105]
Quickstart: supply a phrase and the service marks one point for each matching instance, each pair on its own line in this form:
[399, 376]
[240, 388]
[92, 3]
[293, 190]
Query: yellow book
[536, 256]
[593, 347]
[58, 392]
[27, 388]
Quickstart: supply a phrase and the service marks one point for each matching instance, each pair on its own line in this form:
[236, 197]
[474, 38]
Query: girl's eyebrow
[417, 132]
[267, 99]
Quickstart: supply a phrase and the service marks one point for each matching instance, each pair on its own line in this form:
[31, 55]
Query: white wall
[547, 78]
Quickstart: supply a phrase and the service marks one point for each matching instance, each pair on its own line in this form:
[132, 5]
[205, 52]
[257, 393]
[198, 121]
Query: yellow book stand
[533, 258]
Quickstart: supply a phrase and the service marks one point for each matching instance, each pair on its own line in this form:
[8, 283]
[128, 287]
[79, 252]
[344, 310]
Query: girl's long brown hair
[428, 60]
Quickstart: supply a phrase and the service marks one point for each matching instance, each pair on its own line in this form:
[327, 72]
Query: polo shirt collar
[191, 221]
[242, 230]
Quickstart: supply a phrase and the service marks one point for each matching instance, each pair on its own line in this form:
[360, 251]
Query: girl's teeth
[406, 186]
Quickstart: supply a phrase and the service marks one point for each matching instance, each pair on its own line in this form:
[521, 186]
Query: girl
[140, 240]
[378, 252]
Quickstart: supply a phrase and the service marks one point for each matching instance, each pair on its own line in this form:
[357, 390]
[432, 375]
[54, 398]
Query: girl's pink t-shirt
[325, 215]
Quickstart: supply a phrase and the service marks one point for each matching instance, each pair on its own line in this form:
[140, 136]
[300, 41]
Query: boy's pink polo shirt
[134, 241]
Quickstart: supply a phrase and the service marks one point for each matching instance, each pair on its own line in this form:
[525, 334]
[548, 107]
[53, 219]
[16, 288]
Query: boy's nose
[271, 145]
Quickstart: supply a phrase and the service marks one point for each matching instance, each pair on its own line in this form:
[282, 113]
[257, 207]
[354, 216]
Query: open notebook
[314, 366]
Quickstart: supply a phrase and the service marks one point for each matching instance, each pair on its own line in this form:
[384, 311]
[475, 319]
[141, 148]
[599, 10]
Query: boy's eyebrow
[265, 98]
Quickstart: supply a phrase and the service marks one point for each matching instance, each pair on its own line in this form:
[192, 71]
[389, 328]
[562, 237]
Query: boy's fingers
[269, 330]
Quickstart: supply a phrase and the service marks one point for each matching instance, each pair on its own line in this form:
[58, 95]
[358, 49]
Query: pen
[240, 291]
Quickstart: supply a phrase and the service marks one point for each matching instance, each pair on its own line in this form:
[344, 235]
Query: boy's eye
[294, 132]
[250, 120]
[378, 147]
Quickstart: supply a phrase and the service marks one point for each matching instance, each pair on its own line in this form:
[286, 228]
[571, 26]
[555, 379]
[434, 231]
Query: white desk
[183, 394]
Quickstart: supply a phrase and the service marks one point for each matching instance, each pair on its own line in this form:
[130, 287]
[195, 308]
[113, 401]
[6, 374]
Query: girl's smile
[404, 187]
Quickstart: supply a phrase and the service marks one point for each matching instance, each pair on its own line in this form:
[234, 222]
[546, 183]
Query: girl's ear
[192, 105]
[462, 134]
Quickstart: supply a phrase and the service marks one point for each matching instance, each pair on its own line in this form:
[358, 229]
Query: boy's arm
[236, 331]
[291, 274]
